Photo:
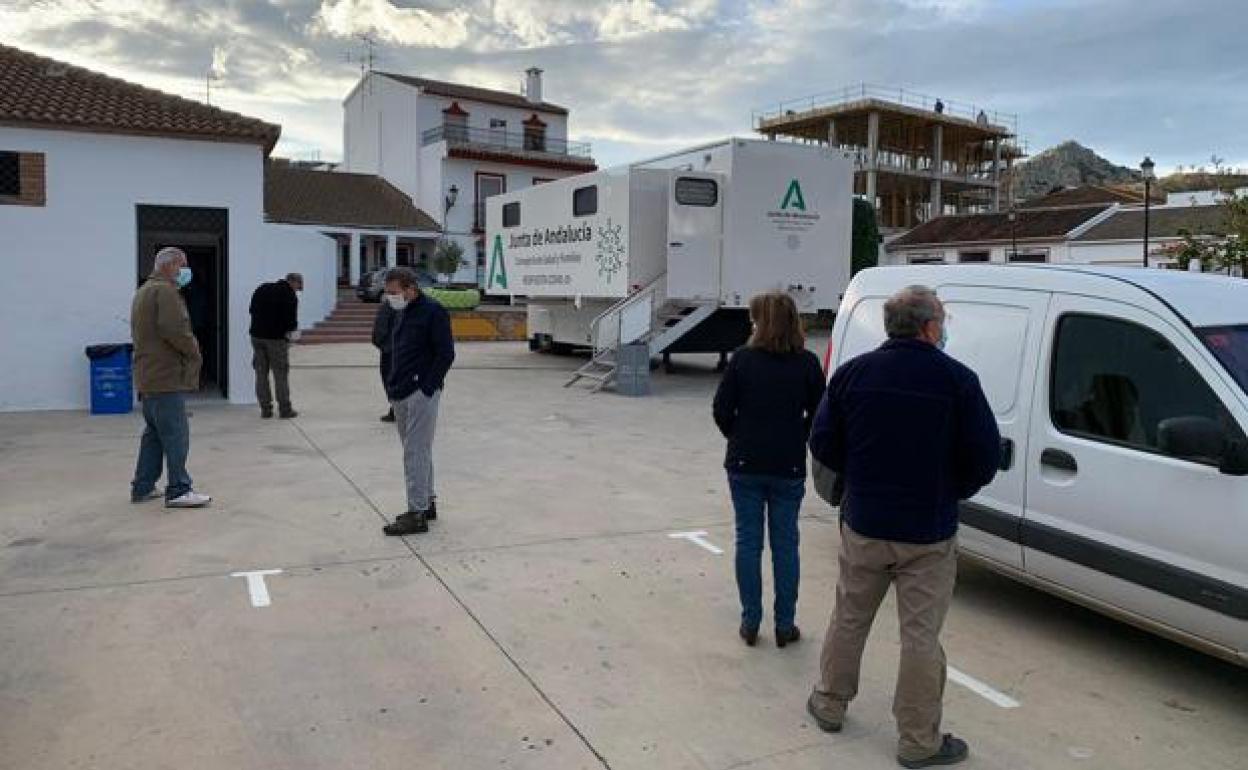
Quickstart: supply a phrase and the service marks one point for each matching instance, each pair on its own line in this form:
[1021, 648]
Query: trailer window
[585, 201]
[511, 214]
[696, 192]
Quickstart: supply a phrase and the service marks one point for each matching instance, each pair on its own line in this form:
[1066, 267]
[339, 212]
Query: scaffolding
[917, 156]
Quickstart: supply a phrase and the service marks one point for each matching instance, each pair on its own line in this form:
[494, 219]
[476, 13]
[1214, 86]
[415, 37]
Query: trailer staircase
[646, 316]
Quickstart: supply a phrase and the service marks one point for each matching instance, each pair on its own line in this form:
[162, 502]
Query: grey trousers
[416, 418]
[271, 356]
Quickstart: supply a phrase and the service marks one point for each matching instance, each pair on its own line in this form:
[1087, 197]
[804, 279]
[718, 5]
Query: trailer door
[694, 235]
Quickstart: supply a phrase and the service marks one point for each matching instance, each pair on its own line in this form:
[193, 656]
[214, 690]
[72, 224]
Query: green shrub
[455, 299]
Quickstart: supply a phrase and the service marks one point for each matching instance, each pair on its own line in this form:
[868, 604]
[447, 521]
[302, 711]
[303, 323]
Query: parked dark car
[373, 284]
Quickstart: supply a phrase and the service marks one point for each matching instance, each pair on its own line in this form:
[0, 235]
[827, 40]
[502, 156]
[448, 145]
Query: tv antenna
[366, 55]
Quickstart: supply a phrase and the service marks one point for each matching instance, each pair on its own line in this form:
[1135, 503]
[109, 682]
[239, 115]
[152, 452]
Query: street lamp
[1146, 167]
[1013, 215]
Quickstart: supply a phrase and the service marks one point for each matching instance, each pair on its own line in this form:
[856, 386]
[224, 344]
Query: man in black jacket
[383, 324]
[912, 433]
[274, 323]
[422, 350]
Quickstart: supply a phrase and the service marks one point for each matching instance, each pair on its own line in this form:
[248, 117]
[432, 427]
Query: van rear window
[691, 191]
[1229, 345]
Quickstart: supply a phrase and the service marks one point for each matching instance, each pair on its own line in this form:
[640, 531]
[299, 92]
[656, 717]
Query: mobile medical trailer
[668, 252]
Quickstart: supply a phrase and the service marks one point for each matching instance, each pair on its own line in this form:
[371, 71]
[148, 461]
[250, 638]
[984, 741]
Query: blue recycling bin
[112, 378]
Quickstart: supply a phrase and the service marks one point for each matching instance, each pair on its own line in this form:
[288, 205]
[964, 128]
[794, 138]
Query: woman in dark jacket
[764, 407]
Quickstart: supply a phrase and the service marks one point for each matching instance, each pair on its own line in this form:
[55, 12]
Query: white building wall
[68, 269]
[304, 250]
[480, 114]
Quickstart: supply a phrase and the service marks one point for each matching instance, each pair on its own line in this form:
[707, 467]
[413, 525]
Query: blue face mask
[184, 277]
[944, 337]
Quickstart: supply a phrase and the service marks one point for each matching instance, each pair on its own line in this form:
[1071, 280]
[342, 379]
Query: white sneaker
[189, 500]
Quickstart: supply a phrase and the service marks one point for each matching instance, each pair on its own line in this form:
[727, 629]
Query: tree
[1193, 247]
[448, 257]
[866, 237]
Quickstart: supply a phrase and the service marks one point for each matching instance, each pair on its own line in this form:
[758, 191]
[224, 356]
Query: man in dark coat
[383, 324]
[912, 433]
[274, 323]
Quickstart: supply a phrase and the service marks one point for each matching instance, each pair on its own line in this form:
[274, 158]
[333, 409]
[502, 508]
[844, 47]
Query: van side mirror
[1235, 459]
[1192, 438]
[1203, 440]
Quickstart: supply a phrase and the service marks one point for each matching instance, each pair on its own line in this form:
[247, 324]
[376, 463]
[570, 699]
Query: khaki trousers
[271, 356]
[924, 576]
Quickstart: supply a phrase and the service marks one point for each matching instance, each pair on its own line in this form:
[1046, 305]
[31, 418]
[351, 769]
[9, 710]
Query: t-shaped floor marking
[256, 587]
[698, 537]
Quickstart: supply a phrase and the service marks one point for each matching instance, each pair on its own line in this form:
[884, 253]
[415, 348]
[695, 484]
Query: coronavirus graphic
[610, 250]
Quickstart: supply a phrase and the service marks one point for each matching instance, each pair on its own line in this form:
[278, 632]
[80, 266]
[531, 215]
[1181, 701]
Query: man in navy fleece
[912, 434]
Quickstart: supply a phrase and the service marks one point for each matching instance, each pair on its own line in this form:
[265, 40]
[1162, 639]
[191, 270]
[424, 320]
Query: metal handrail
[655, 288]
[507, 140]
[901, 96]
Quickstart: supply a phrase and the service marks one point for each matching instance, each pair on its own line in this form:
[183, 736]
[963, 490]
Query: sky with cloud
[1125, 77]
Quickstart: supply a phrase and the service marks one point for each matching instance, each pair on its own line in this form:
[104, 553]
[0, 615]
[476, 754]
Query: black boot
[388, 416]
[785, 636]
[410, 523]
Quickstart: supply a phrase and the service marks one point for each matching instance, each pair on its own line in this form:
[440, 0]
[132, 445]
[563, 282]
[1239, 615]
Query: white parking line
[982, 690]
[699, 538]
[255, 585]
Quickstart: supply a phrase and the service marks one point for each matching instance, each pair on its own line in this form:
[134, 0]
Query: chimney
[533, 85]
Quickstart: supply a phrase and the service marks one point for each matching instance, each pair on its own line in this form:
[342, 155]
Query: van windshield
[1230, 345]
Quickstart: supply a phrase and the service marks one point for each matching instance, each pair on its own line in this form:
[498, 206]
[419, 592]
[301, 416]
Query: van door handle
[1062, 461]
[676, 244]
[1007, 454]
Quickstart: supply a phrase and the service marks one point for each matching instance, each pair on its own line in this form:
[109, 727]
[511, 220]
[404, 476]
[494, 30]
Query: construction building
[918, 157]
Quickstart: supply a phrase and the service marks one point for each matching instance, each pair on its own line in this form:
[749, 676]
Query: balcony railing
[495, 139]
[900, 96]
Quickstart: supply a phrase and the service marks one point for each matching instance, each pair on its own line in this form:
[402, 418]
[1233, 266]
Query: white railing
[630, 319]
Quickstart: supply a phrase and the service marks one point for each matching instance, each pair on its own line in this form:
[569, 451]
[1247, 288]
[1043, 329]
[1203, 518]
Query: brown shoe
[827, 713]
[748, 634]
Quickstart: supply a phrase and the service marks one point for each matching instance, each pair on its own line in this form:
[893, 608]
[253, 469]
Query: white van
[1122, 399]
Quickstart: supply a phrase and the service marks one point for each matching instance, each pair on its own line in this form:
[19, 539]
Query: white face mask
[397, 301]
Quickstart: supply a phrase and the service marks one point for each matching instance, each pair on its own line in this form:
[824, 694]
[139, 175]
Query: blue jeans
[777, 499]
[166, 440]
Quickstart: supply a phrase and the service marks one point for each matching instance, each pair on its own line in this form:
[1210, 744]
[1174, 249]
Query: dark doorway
[203, 234]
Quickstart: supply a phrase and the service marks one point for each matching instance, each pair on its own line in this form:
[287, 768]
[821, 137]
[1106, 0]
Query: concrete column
[392, 250]
[353, 277]
[873, 149]
[832, 133]
[938, 160]
[996, 174]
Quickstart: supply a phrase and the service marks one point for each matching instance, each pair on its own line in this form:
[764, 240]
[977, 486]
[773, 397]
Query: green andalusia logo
[793, 197]
[610, 250]
[498, 269]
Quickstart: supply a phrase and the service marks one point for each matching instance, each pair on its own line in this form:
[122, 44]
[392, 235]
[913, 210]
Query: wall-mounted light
[451, 196]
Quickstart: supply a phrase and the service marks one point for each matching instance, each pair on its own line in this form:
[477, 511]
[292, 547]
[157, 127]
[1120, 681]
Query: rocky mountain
[1069, 164]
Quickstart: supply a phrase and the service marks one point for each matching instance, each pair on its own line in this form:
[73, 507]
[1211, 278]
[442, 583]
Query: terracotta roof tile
[1128, 224]
[303, 196]
[37, 91]
[983, 228]
[1083, 195]
[490, 96]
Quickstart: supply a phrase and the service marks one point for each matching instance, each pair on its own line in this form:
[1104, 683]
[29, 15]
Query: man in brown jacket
[166, 366]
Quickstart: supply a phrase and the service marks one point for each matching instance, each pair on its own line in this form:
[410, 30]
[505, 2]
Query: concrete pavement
[547, 621]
